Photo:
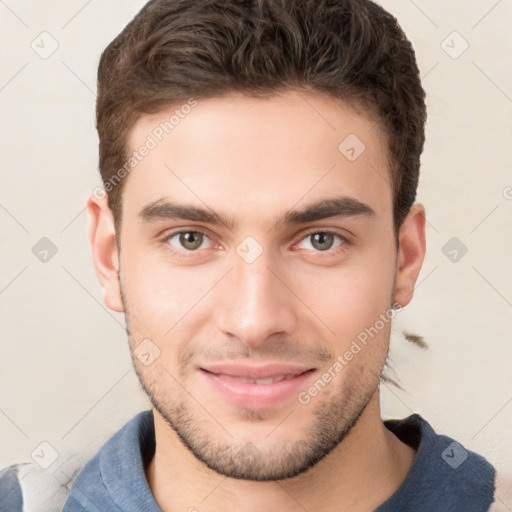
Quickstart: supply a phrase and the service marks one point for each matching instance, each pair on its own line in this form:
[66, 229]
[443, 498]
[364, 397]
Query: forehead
[243, 155]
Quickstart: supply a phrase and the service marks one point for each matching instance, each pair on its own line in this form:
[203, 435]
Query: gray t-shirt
[444, 477]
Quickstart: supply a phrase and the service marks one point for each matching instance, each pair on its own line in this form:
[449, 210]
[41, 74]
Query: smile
[256, 387]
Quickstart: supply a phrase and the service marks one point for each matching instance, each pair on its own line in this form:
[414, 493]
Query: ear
[104, 251]
[411, 254]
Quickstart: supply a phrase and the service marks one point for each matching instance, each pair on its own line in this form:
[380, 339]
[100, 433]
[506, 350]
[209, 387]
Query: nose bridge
[254, 303]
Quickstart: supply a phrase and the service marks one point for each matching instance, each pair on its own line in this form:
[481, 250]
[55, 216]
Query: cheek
[161, 293]
[349, 297]
[165, 304]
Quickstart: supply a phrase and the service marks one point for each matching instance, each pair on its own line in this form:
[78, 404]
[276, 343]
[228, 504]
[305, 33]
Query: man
[260, 161]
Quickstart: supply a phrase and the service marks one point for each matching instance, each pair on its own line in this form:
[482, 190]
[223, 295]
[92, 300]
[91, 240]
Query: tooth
[268, 380]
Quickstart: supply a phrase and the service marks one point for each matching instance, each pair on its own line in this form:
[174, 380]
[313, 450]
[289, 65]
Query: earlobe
[102, 238]
[411, 254]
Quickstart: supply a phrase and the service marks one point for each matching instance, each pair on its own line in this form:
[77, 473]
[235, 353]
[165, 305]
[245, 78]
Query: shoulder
[26, 487]
[444, 475]
[10, 491]
[115, 470]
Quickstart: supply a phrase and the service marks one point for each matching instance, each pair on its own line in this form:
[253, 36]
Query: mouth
[268, 380]
[256, 387]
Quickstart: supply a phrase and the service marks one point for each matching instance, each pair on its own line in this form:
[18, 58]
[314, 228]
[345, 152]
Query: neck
[366, 468]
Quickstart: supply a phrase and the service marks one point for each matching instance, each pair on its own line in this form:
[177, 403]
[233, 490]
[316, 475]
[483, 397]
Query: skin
[299, 301]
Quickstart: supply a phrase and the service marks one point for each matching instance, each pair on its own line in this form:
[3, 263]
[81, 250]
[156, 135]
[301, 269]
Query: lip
[235, 383]
[265, 371]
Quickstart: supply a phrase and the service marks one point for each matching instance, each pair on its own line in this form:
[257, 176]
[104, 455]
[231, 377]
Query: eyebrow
[337, 207]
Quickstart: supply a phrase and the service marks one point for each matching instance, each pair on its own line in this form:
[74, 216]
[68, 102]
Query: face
[257, 249]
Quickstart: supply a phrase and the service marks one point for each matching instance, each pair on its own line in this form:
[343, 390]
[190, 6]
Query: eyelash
[181, 253]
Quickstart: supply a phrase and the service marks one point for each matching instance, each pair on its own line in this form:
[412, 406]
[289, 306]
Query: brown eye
[322, 241]
[189, 240]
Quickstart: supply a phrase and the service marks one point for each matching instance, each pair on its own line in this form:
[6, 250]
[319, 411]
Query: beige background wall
[65, 371]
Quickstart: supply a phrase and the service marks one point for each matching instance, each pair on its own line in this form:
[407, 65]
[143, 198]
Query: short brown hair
[348, 49]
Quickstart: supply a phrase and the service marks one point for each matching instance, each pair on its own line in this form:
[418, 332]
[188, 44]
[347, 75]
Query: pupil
[321, 238]
[191, 239]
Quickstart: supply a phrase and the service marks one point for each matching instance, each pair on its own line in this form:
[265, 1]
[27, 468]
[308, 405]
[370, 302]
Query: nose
[255, 302]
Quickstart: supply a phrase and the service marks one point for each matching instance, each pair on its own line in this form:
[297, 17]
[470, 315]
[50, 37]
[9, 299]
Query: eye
[189, 240]
[323, 241]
